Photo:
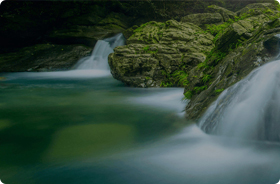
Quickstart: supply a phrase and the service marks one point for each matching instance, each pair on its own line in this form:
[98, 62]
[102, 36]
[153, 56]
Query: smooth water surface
[85, 127]
[53, 118]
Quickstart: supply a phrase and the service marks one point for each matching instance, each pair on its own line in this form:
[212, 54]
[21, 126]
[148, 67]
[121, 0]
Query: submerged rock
[158, 54]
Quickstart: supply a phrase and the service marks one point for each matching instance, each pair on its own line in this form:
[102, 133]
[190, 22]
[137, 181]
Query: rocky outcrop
[201, 19]
[240, 31]
[226, 14]
[182, 54]
[25, 24]
[257, 9]
[43, 57]
[89, 28]
[240, 48]
[160, 54]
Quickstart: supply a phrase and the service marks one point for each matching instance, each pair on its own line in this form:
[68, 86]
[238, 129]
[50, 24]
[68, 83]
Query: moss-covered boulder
[201, 19]
[160, 54]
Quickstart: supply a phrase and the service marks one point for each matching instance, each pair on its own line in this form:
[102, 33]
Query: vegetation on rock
[216, 44]
[206, 59]
[164, 52]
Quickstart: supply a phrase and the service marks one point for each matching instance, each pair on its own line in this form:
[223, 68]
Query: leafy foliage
[206, 78]
[188, 95]
[198, 89]
[180, 78]
[219, 91]
[166, 84]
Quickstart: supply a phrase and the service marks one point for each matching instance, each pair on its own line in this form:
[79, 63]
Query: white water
[93, 66]
[99, 57]
[170, 99]
[190, 156]
[249, 109]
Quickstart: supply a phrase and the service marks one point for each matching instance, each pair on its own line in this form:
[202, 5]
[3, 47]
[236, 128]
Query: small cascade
[250, 109]
[99, 57]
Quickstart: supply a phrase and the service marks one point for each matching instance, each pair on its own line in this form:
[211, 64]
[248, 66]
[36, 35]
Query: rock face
[182, 54]
[89, 28]
[240, 48]
[160, 54]
[201, 19]
[26, 24]
[43, 57]
[226, 14]
[256, 8]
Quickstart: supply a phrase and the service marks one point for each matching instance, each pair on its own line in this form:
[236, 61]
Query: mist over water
[249, 109]
[82, 126]
[93, 66]
[99, 57]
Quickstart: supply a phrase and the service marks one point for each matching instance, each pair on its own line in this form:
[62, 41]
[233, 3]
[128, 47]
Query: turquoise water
[48, 120]
[85, 127]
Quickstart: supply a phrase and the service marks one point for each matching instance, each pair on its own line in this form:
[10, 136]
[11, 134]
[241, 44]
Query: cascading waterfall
[99, 57]
[250, 109]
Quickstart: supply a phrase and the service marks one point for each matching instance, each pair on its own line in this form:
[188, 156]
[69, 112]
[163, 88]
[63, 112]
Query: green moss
[218, 91]
[166, 84]
[188, 95]
[180, 78]
[217, 30]
[146, 48]
[206, 78]
[152, 52]
[202, 65]
[199, 89]
[215, 55]
[163, 72]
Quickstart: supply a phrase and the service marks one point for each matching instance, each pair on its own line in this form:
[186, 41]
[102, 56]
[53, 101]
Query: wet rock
[236, 65]
[43, 57]
[240, 31]
[157, 51]
[272, 45]
[226, 14]
[256, 8]
[201, 19]
[89, 28]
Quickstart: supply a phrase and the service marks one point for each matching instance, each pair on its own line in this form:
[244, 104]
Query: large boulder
[201, 19]
[160, 54]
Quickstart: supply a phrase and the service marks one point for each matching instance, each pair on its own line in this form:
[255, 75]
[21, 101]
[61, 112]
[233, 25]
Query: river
[83, 126]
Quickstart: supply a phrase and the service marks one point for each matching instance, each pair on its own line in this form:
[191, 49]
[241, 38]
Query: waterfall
[250, 109]
[99, 57]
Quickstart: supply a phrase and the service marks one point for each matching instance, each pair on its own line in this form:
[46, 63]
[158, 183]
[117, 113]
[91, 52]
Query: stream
[83, 126]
